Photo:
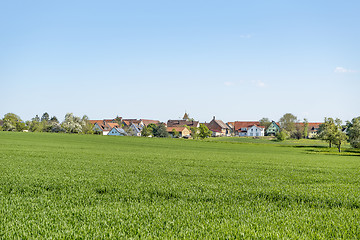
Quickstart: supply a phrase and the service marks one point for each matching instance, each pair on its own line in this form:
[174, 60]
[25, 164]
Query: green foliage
[354, 132]
[146, 131]
[195, 132]
[45, 117]
[327, 131]
[282, 135]
[160, 130]
[13, 122]
[287, 122]
[175, 133]
[339, 136]
[265, 122]
[62, 186]
[204, 131]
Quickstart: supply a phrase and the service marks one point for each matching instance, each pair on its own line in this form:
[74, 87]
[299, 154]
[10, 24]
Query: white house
[117, 132]
[256, 131]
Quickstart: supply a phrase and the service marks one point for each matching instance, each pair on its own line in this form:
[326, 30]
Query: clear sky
[236, 60]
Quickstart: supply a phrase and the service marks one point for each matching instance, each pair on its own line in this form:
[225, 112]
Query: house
[128, 122]
[256, 131]
[272, 129]
[241, 127]
[104, 126]
[313, 129]
[117, 132]
[136, 129]
[183, 131]
[218, 127]
[101, 127]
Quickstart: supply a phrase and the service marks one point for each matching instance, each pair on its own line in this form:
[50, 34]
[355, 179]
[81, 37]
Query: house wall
[255, 132]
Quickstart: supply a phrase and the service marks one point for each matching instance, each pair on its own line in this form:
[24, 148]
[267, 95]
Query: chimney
[213, 117]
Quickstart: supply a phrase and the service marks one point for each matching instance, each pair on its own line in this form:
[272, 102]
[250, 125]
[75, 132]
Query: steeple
[186, 116]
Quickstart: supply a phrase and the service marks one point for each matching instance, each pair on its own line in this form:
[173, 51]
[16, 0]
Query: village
[182, 128]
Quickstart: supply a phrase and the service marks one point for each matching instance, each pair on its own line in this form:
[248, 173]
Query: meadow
[80, 186]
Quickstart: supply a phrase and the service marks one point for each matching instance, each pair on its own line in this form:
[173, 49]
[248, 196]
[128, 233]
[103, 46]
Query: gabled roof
[96, 121]
[221, 124]
[245, 124]
[128, 122]
[146, 122]
[179, 123]
[113, 125]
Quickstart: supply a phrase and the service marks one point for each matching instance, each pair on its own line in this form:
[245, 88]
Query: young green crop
[78, 186]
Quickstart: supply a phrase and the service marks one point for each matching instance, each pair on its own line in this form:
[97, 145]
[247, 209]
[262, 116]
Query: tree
[354, 132]
[13, 122]
[287, 122]
[146, 131]
[282, 135]
[86, 126]
[301, 130]
[175, 133]
[160, 130]
[339, 135]
[265, 122]
[204, 131]
[306, 128]
[54, 119]
[327, 131]
[195, 132]
[72, 124]
[45, 117]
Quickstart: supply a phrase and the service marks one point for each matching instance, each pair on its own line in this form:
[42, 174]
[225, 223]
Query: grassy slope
[54, 185]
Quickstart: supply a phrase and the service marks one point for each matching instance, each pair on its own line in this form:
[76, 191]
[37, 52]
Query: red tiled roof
[240, 124]
[149, 121]
[96, 121]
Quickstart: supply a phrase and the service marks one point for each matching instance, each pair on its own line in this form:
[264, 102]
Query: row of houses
[183, 127]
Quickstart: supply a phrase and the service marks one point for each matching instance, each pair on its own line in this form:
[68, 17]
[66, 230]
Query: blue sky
[236, 60]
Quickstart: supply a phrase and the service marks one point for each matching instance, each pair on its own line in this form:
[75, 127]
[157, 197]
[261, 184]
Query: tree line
[331, 130]
[71, 124]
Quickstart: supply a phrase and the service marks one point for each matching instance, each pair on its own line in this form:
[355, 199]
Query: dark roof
[179, 123]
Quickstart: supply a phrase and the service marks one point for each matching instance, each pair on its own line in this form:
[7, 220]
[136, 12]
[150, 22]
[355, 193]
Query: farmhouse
[218, 128]
[273, 129]
[183, 131]
[313, 129]
[241, 128]
[256, 131]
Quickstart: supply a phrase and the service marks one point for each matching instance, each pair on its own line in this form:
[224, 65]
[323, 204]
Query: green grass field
[78, 186]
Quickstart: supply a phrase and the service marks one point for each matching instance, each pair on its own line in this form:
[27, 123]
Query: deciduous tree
[354, 132]
[204, 131]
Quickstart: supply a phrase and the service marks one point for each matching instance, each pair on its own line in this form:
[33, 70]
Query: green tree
[175, 133]
[354, 132]
[306, 128]
[146, 131]
[339, 136]
[288, 122]
[160, 130]
[327, 131]
[282, 135]
[45, 117]
[265, 122]
[195, 132]
[204, 131]
[13, 122]
[86, 126]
